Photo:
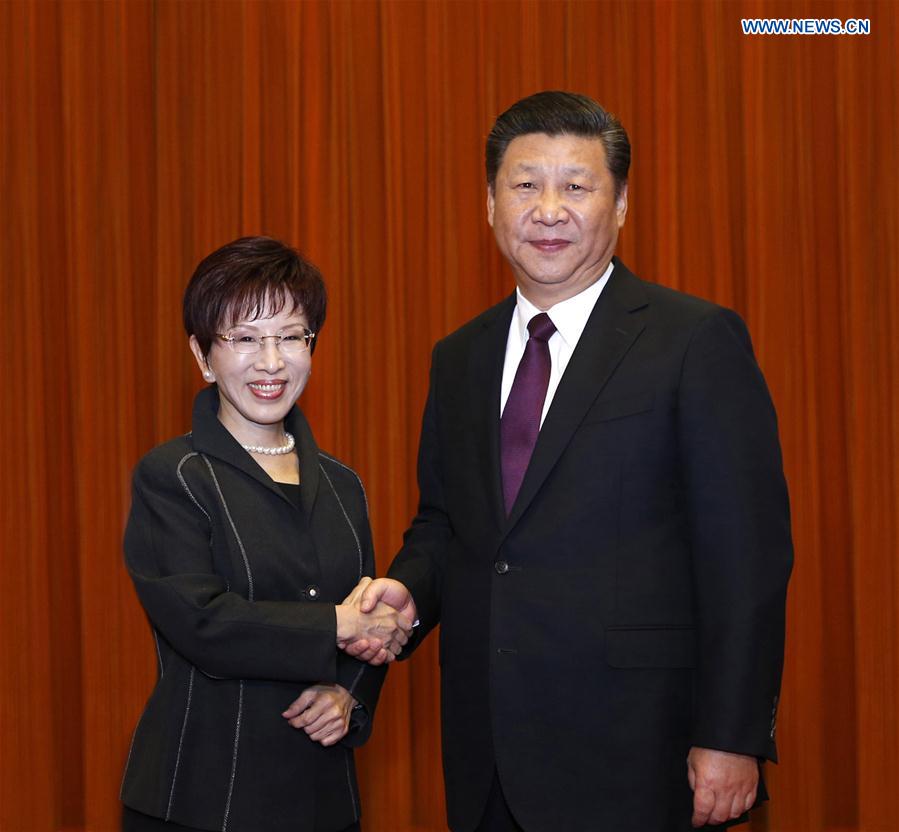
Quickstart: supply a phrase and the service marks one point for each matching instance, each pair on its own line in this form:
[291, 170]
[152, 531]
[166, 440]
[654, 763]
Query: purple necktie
[521, 417]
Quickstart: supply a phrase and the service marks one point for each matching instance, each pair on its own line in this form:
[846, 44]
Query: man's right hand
[386, 600]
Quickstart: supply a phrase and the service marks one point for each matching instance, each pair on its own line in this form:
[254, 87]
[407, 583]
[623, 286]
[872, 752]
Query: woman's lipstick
[268, 389]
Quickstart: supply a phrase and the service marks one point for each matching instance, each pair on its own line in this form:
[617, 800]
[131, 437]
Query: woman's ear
[202, 363]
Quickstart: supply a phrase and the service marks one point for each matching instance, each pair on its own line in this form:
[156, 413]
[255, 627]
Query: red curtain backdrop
[138, 136]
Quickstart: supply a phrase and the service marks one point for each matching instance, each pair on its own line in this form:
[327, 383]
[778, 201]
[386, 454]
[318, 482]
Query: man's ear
[621, 205]
[491, 204]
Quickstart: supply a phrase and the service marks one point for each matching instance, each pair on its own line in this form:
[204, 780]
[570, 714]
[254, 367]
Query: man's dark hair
[247, 277]
[559, 113]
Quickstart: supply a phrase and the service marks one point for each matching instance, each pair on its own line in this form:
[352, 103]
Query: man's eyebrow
[568, 170]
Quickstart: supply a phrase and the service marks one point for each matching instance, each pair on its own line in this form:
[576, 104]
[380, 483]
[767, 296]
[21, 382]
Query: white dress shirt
[570, 317]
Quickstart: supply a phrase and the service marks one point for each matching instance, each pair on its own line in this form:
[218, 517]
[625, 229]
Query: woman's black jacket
[240, 586]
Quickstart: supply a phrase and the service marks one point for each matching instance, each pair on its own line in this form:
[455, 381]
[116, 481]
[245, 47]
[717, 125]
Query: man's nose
[550, 208]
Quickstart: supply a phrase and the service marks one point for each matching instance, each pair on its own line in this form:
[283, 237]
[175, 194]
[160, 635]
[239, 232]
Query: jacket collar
[212, 438]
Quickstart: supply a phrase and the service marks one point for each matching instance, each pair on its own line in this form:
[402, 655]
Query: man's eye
[575, 187]
[526, 185]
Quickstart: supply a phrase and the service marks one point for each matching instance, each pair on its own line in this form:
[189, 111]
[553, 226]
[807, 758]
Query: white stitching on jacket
[185, 486]
[359, 550]
[158, 654]
[190, 690]
[194, 500]
[250, 593]
[349, 781]
[233, 758]
[358, 478]
[358, 677]
[345, 515]
[243, 552]
[128, 758]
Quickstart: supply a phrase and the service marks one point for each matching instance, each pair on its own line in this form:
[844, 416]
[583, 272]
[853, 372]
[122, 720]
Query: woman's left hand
[323, 712]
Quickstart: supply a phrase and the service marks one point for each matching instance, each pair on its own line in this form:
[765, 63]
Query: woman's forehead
[260, 311]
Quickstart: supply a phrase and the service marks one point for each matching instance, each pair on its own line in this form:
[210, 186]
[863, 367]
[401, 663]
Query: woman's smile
[268, 390]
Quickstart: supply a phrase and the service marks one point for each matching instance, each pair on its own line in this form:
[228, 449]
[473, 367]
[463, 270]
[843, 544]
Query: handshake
[375, 620]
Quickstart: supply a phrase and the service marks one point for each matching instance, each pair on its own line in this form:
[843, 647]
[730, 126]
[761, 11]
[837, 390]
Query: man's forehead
[567, 152]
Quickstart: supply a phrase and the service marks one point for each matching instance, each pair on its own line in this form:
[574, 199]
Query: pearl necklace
[279, 451]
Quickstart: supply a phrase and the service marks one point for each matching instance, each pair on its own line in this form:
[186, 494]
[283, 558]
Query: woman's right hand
[384, 627]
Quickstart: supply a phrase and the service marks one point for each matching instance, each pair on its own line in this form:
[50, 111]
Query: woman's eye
[292, 336]
[244, 339]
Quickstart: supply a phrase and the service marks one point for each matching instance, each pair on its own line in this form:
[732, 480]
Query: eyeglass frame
[308, 339]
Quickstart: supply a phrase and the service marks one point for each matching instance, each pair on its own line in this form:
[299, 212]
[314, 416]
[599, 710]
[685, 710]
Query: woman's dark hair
[245, 278]
[560, 113]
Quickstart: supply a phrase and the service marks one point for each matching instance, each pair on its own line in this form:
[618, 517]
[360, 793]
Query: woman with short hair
[243, 540]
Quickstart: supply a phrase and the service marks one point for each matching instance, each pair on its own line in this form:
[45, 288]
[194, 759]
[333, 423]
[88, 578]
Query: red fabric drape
[137, 136]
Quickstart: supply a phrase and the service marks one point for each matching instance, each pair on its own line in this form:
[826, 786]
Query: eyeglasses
[246, 343]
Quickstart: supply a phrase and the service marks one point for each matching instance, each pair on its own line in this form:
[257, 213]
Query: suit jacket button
[501, 567]
[312, 591]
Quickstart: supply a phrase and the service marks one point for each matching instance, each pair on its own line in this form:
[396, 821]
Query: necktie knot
[541, 327]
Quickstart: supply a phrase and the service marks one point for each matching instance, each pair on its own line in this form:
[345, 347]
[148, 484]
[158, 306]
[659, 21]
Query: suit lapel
[615, 323]
[309, 457]
[486, 371]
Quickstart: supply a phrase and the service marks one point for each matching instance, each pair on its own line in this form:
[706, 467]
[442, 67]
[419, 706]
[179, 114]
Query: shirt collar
[569, 316]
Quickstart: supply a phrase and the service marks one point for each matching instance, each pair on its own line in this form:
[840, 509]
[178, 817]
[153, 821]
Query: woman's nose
[269, 356]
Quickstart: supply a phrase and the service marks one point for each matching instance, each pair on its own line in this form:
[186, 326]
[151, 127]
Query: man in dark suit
[603, 530]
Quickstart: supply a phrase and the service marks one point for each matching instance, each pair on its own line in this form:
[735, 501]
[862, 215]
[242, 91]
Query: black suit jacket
[632, 604]
[240, 585]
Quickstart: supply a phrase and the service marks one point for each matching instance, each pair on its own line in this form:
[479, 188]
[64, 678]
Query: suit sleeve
[359, 678]
[739, 523]
[168, 554]
[420, 564]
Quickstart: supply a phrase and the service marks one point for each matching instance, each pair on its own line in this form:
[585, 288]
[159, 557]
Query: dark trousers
[137, 822]
[497, 815]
